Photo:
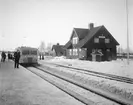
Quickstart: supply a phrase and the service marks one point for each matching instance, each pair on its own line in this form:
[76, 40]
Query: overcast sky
[28, 22]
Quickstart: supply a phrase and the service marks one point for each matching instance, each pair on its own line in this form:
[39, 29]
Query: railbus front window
[25, 52]
[33, 52]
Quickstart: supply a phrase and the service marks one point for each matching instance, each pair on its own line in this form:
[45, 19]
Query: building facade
[94, 42]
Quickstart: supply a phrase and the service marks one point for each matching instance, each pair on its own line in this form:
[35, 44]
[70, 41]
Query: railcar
[28, 55]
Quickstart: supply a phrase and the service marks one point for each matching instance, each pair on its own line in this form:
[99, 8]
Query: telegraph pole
[127, 32]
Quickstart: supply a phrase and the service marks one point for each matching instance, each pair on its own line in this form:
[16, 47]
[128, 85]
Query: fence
[124, 55]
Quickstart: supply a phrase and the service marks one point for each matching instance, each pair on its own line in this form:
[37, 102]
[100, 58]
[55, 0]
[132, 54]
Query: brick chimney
[91, 25]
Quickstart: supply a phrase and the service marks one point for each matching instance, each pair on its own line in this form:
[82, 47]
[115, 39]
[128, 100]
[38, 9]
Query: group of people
[15, 58]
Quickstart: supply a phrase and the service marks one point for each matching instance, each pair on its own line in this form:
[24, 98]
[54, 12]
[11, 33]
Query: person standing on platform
[3, 55]
[9, 55]
[16, 59]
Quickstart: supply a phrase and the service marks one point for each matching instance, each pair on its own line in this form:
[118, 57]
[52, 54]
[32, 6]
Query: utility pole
[127, 33]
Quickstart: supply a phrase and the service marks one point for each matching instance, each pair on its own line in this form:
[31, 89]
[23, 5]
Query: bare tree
[42, 50]
[120, 50]
[42, 47]
[49, 46]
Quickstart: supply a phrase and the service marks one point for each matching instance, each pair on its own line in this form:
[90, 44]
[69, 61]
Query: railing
[124, 55]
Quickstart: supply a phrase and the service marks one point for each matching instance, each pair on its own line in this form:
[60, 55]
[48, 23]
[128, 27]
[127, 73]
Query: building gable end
[112, 37]
[74, 34]
[103, 33]
[109, 36]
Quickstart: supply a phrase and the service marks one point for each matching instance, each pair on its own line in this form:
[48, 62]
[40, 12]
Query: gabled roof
[81, 32]
[113, 38]
[85, 35]
[68, 44]
[26, 48]
[58, 48]
[91, 33]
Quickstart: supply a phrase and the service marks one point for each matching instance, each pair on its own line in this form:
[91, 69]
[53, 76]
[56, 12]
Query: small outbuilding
[94, 41]
[58, 50]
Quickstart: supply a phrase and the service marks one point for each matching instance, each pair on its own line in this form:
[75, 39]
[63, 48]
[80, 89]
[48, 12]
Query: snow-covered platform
[21, 87]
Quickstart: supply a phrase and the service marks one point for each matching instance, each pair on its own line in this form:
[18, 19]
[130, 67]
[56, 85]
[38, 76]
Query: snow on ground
[117, 67]
[21, 87]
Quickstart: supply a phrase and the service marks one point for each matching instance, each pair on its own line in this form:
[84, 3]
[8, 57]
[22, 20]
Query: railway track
[63, 88]
[74, 94]
[111, 97]
[98, 74]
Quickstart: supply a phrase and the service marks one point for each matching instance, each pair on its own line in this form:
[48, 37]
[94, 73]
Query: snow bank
[123, 90]
[60, 58]
[117, 67]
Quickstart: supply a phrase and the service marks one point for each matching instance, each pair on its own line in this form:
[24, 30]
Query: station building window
[96, 40]
[79, 49]
[70, 51]
[107, 40]
[75, 40]
[75, 51]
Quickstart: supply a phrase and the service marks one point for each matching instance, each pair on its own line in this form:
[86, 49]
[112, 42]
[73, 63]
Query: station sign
[102, 36]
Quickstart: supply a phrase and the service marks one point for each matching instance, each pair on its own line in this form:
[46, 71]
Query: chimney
[91, 25]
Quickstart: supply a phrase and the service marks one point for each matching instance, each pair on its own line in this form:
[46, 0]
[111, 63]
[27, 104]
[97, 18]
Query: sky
[28, 22]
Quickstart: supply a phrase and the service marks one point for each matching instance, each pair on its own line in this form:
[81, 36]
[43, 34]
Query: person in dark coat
[3, 55]
[16, 59]
[9, 55]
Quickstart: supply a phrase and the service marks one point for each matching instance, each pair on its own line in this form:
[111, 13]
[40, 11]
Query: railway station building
[94, 43]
